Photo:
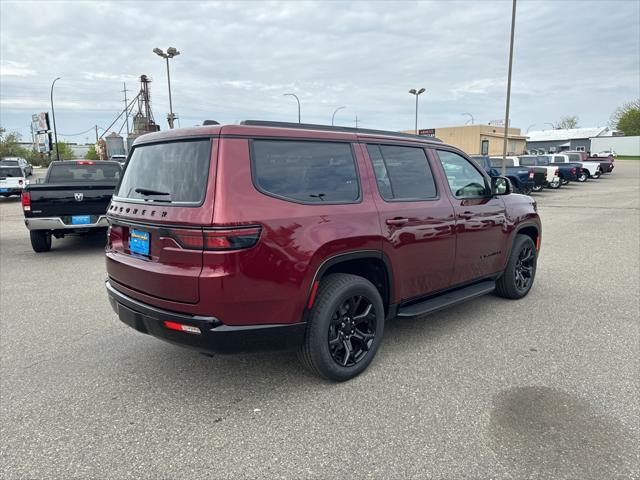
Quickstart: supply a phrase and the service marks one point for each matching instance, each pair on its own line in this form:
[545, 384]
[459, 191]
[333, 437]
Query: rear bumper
[215, 336]
[56, 223]
[11, 191]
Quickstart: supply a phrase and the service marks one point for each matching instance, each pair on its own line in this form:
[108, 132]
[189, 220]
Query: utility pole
[506, 115]
[126, 107]
[356, 121]
[53, 115]
[97, 134]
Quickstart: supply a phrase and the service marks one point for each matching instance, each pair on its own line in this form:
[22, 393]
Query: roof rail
[331, 128]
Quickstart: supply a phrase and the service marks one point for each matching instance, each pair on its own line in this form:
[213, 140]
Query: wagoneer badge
[78, 196]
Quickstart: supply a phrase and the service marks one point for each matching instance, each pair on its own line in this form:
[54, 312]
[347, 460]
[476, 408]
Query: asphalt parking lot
[546, 387]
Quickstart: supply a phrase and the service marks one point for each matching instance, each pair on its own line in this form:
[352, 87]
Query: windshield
[83, 172]
[172, 172]
[11, 172]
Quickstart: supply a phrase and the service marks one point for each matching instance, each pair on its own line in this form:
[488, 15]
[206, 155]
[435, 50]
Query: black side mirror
[501, 186]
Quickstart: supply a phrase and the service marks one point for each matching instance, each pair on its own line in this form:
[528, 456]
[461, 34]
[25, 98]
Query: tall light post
[334, 114]
[417, 93]
[529, 127]
[506, 114]
[297, 100]
[553, 127]
[171, 52]
[469, 116]
[53, 115]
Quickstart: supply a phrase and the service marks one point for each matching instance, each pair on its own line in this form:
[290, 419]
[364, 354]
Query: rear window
[9, 162]
[172, 172]
[11, 172]
[528, 161]
[497, 162]
[305, 171]
[574, 157]
[83, 173]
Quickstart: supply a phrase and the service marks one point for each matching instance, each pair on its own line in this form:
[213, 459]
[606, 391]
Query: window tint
[11, 172]
[305, 171]
[9, 162]
[558, 159]
[175, 171]
[543, 160]
[464, 180]
[497, 162]
[402, 173]
[574, 157]
[527, 161]
[72, 173]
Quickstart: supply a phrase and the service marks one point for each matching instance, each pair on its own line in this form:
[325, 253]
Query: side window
[402, 173]
[464, 180]
[580, 149]
[305, 171]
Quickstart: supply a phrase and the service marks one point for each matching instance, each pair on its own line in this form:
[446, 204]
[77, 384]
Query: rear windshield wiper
[147, 191]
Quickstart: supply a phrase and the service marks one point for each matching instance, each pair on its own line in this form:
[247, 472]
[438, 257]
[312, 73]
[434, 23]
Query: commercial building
[480, 139]
[558, 140]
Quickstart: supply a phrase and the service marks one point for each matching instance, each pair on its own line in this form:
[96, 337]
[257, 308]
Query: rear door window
[305, 171]
[465, 180]
[402, 173]
[170, 172]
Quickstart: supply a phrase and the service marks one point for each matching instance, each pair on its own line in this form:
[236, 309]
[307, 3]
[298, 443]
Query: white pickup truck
[12, 181]
[593, 169]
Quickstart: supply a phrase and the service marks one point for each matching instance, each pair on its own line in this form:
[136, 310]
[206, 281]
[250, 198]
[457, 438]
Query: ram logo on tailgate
[78, 196]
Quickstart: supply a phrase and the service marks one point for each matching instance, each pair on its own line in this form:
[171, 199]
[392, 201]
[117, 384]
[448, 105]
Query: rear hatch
[11, 178]
[157, 216]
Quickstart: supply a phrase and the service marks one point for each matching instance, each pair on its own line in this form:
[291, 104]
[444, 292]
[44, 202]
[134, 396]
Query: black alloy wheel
[524, 268]
[352, 331]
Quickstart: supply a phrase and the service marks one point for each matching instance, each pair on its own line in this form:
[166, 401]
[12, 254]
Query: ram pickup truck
[588, 169]
[606, 163]
[567, 173]
[73, 199]
[523, 179]
[552, 172]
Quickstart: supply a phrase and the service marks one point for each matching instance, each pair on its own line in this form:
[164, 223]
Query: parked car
[12, 181]
[552, 171]
[18, 162]
[523, 179]
[267, 234]
[588, 169]
[72, 200]
[567, 173]
[605, 153]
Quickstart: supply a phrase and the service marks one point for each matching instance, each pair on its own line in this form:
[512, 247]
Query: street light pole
[506, 115]
[472, 119]
[297, 100]
[53, 115]
[171, 52]
[529, 127]
[334, 114]
[417, 93]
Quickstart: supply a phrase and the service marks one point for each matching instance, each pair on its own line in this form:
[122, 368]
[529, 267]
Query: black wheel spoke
[352, 330]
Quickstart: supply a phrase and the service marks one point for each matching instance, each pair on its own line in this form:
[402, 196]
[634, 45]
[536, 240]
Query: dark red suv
[268, 235]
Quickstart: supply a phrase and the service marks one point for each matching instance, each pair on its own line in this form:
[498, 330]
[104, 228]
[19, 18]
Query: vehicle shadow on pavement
[77, 244]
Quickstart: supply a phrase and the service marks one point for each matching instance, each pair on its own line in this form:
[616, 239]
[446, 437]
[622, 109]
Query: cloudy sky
[239, 58]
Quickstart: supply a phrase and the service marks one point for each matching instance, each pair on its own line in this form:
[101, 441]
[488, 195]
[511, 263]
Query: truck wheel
[517, 278]
[40, 240]
[344, 329]
[583, 177]
[555, 185]
[597, 175]
[538, 188]
[564, 182]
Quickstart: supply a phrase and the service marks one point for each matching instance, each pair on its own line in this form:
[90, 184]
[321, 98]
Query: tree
[66, 153]
[569, 121]
[627, 118]
[92, 154]
[9, 146]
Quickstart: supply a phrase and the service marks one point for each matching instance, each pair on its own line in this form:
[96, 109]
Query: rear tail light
[181, 327]
[531, 174]
[84, 162]
[573, 170]
[26, 201]
[220, 239]
[555, 174]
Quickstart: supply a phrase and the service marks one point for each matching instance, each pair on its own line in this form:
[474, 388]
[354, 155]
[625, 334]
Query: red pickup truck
[264, 234]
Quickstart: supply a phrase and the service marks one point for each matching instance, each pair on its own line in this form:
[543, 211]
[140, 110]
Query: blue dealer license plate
[80, 219]
[4, 189]
[139, 242]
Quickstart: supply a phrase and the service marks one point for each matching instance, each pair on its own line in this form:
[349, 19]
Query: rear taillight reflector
[190, 239]
[231, 239]
[26, 201]
[181, 327]
[573, 170]
[531, 173]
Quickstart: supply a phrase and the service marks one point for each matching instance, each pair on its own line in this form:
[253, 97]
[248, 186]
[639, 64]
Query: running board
[447, 299]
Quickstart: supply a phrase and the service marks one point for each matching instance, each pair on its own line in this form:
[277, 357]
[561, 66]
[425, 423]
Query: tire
[596, 175]
[334, 303]
[510, 285]
[525, 190]
[40, 240]
[555, 185]
[538, 188]
[583, 177]
[564, 182]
